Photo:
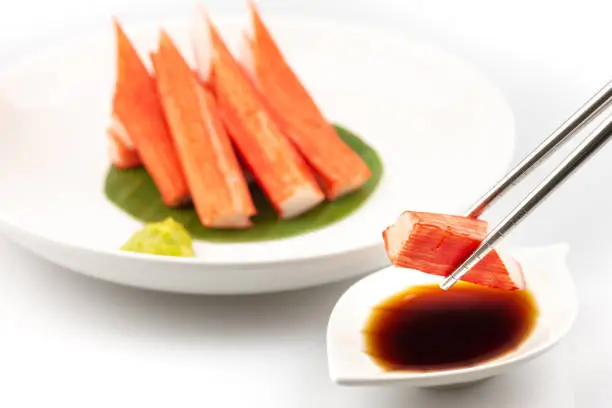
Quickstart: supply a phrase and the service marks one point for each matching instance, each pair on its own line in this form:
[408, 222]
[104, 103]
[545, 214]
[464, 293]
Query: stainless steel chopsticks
[591, 144]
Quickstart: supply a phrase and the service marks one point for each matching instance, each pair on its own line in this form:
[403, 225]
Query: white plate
[444, 134]
[547, 277]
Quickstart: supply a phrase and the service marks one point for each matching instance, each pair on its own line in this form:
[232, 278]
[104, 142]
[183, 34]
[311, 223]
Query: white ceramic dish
[546, 274]
[433, 119]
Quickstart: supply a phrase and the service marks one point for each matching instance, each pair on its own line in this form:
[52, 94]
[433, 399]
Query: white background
[69, 341]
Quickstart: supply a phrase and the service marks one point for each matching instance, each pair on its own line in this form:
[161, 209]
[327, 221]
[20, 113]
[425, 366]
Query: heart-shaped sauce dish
[397, 325]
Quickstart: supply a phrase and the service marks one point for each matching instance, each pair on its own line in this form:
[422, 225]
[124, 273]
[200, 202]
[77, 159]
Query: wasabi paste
[167, 237]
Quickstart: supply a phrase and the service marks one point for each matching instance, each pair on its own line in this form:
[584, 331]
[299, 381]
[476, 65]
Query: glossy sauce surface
[425, 328]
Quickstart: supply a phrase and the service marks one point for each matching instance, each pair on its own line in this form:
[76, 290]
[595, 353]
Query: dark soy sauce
[425, 328]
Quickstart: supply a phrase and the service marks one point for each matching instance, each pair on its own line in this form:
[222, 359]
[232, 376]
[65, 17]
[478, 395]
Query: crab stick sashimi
[218, 189]
[278, 168]
[121, 156]
[437, 244]
[338, 168]
[138, 120]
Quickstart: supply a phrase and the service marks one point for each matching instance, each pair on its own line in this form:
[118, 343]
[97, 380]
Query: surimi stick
[339, 169]
[218, 189]
[438, 243]
[138, 121]
[121, 155]
[277, 167]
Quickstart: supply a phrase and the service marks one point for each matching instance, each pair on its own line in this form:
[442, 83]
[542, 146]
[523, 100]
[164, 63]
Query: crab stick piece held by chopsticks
[138, 120]
[218, 189]
[277, 167]
[339, 169]
[122, 156]
[437, 244]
